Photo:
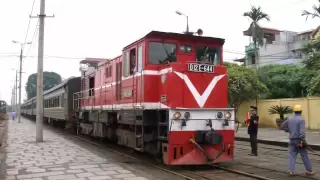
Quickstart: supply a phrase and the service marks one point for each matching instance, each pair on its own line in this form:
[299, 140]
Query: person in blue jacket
[295, 126]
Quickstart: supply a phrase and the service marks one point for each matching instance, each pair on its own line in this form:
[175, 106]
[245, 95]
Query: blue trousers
[293, 152]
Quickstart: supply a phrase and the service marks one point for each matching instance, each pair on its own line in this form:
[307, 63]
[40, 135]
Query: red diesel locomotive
[165, 95]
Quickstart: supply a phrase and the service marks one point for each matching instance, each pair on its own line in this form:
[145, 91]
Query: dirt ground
[3, 140]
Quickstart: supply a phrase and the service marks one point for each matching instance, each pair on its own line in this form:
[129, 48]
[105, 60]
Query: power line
[33, 38]
[25, 39]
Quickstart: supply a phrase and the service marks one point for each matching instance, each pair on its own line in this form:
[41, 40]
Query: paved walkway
[272, 158]
[56, 158]
[277, 137]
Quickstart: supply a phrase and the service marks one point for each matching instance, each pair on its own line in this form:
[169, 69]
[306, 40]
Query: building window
[160, 52]
[253, 59]
[140, 58]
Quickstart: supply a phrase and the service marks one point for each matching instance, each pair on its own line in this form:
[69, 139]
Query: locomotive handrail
[84, 94]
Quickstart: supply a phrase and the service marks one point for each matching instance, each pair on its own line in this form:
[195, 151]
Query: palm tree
[256, 15]
[316, 12]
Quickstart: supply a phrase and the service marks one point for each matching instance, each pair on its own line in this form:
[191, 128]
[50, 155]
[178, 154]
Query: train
[165, 95]
[3, 110]
[57, 104]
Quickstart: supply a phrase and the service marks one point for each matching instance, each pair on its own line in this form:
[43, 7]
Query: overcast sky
[101, 28]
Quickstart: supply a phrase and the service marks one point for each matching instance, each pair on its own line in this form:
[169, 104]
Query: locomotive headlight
[219, 115]
[228, 115]
[186, 115]
[176, 115]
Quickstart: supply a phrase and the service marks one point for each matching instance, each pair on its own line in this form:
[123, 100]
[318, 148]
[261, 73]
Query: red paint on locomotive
[136, 99]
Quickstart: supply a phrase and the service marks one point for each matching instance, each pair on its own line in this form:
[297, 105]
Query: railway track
[214, 173]
[209, 172]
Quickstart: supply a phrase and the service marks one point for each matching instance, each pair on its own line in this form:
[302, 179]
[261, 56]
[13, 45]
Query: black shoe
[252, 154]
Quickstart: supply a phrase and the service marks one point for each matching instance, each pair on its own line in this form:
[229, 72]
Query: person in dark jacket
[253, 131]
[295, 126]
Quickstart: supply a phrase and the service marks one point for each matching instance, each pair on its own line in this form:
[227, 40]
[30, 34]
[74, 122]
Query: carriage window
[208, 54]
[140, 60]
[186, 48]
[159, 52]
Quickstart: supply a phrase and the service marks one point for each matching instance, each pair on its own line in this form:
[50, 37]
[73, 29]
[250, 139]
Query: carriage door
[118, 80]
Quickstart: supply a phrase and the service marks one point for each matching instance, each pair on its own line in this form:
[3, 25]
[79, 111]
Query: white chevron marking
[201, 99]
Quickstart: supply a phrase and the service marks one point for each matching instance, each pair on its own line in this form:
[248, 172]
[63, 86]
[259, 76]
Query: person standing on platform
[13, 114]
[253, 130]
[295, 126]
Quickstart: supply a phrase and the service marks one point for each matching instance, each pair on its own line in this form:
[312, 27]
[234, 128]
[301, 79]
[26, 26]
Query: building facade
[280, 47]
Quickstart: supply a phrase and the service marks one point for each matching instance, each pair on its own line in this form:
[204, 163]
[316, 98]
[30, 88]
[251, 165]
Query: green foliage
[312, 51]
[50, 79]
[284, 81]
[256, 15]
[312, 63]
[281, 110]
[314, 85]
[243, 84]
[316, 12]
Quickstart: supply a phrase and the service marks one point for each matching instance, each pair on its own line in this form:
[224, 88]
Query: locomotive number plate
[200, 68]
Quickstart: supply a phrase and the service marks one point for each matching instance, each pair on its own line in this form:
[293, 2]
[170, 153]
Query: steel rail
[175, 173]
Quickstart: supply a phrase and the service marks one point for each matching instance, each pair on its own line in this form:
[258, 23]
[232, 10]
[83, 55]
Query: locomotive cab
[193, 85]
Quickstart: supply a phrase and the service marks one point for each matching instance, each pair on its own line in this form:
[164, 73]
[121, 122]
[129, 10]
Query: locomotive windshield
[208, 54]
[160, 52]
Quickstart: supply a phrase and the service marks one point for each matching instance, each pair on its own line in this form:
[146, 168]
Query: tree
[316, 12]
[256, 15]
[284, 81]
[312, 63]
[50, 79]
[243, 83]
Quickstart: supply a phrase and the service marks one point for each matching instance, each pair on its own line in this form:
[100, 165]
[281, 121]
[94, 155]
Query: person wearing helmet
[253, 130]
[295, 126]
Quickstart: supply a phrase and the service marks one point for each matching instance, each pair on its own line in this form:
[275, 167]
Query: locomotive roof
[159, 34]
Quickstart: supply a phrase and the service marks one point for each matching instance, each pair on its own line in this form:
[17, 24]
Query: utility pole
[39, 116]
[20, 79]
[16, 93]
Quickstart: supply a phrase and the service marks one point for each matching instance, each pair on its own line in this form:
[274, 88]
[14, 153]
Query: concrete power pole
[16, 93]
[20, 79]
[39, 119]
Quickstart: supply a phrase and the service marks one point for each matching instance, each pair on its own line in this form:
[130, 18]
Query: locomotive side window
[208, 54]
[107, 72]
[140, 60]
[126, 64]
[159, 52]
[133, 61]
[110, 71]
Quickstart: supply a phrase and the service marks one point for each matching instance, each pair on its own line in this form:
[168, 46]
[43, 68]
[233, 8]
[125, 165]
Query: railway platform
[274, 136]
[272, 162]
[59, 157]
